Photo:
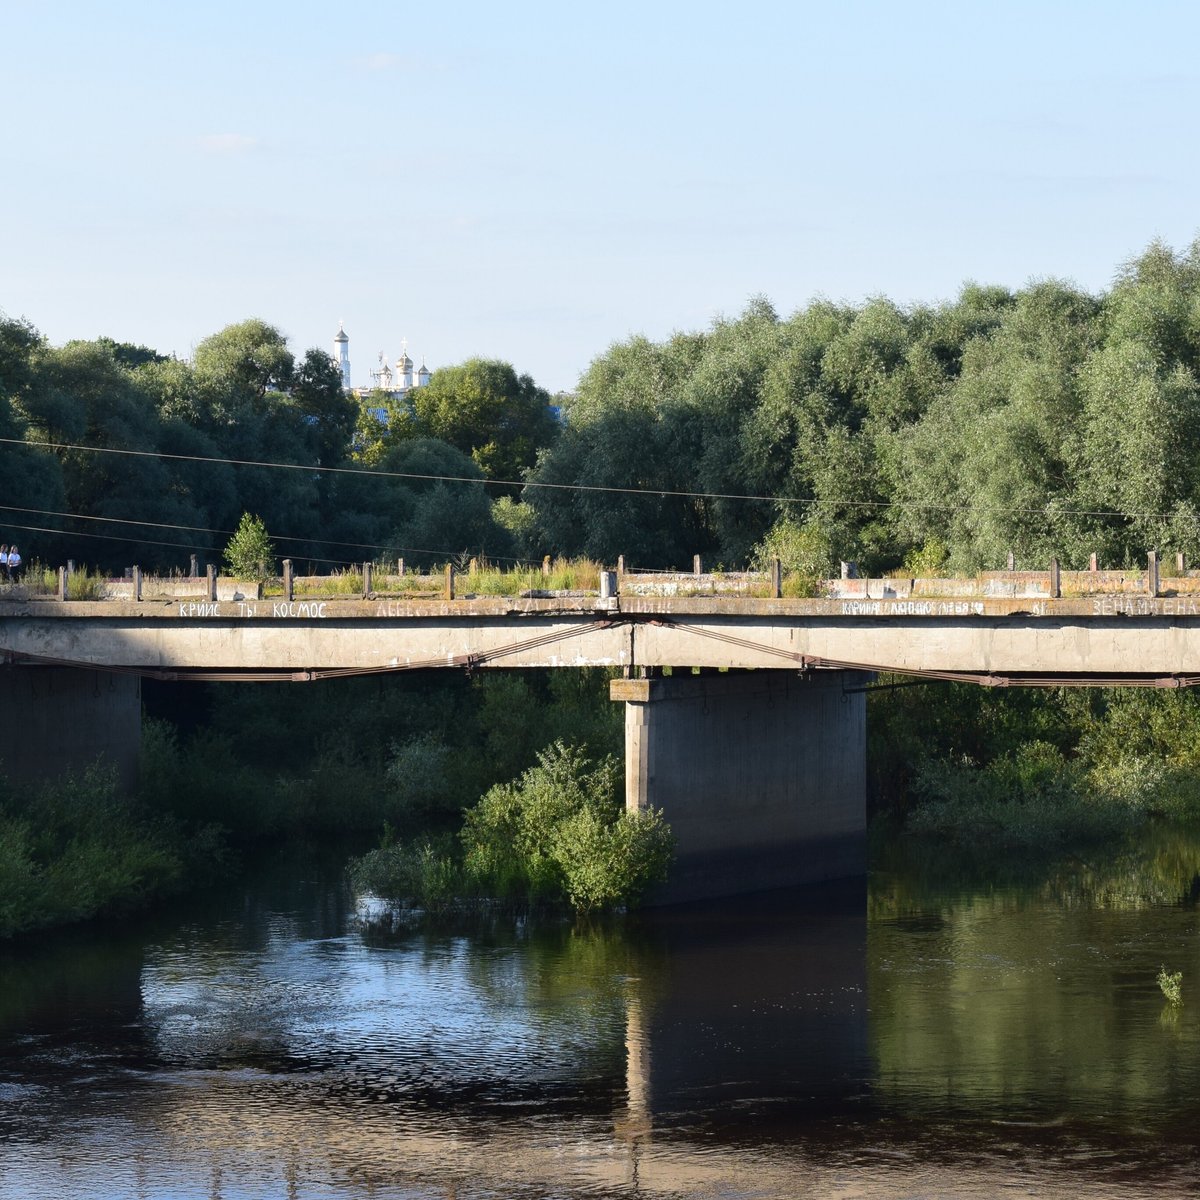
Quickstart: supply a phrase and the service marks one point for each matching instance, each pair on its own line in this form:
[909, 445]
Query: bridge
[745, 717]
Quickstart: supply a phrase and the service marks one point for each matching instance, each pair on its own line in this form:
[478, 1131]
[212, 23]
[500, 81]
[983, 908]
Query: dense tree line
[74, 413]
[1046, 421]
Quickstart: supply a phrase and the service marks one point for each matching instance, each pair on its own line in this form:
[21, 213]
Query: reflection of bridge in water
[652, 1061]
[753, 746]
[791, 1048]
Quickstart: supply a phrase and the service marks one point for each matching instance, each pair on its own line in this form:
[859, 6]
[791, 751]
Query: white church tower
[404, 368]
[341, 351]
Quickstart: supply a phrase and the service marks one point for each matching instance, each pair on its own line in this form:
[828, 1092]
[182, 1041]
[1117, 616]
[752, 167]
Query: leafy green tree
[576, 491]
[19, 346]
[131, 356]
[485, 409]
[243, 362]
[424, 501]
[381, 424]
[99, 405]
[31, 477]
[801, 549]
[331, 415]
[249, 553]
[991, 465]
[520, 521]
[1140, 445]
[440, 512]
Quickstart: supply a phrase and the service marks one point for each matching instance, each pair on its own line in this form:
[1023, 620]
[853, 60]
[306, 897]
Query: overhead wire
[647, 492]
[46, 512]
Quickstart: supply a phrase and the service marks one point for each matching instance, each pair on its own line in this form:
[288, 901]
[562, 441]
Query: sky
[536, 181]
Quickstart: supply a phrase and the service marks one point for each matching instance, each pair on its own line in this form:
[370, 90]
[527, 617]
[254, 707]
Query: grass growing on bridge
[83, 583]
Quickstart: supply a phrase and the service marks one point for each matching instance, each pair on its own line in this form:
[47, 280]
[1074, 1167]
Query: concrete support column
[62, 719]
[761, 775]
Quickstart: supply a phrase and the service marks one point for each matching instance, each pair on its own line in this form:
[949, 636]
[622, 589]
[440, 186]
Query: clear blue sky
[536, 181]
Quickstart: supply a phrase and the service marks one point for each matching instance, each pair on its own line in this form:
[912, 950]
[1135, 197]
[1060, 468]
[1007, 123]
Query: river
[929, 1033]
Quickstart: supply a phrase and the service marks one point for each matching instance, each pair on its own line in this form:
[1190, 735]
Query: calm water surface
[921, 1036]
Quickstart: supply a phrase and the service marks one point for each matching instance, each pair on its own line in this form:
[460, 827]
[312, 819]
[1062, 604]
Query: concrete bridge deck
[1118, 638]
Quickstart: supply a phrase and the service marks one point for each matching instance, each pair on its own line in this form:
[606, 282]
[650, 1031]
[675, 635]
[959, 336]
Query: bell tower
[341, 351]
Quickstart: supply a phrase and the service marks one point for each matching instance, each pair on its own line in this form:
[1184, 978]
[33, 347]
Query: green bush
[805, 554]
[927, 560]
[559, 831]
[608, 863]
[249, 554]
[425, 872]
[77, 848]
[1031, 798]
[556, 835]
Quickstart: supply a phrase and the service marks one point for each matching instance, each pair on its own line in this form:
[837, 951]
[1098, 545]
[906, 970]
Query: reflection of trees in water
[1031, 995]
[700, 1051]
[570, 983]
[1158, 865]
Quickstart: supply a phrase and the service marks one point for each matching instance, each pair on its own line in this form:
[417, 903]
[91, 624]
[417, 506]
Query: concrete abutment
[760, 774]
[56, 720]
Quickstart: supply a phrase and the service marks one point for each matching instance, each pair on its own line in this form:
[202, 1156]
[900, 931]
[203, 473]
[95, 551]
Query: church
[396, 383]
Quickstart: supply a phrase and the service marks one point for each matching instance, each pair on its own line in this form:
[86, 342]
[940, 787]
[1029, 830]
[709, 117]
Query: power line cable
[650, 493]
[46, 512]
[155, 525]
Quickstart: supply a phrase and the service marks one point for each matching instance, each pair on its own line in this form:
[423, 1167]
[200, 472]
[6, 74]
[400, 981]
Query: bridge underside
[59, 721]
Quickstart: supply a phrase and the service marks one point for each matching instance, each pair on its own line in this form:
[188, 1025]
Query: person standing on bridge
[4, 563]
[14, 565]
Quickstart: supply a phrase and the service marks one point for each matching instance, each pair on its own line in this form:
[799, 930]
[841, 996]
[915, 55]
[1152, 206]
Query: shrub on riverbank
[557, 835]
[1034, 797]
[1031, 768]
[77, 849]
[426, 872]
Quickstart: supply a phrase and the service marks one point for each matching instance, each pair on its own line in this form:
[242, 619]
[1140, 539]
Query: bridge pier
[760, 774]
[59, 719]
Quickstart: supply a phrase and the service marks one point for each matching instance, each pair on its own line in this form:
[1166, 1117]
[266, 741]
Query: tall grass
[83, 583]
[565, 575]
